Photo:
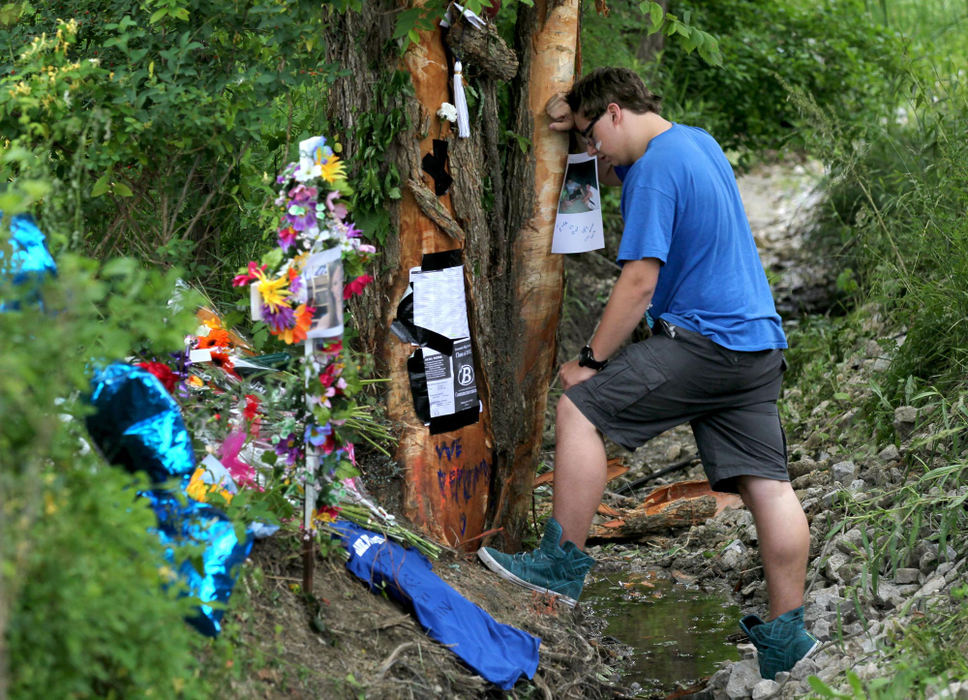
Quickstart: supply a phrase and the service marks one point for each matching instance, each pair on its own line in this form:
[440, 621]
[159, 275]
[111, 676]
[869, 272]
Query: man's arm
[624, 311]
[563, 120]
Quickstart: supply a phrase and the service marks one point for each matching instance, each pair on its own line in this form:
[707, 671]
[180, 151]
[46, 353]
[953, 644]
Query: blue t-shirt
[681, 205]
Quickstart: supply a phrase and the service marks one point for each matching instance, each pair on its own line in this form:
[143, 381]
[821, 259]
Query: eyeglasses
[587, 131]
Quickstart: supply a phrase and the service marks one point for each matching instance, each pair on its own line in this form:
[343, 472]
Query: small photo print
[323, 276]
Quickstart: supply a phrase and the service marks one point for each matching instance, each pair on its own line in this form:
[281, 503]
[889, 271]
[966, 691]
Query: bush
[82, 608]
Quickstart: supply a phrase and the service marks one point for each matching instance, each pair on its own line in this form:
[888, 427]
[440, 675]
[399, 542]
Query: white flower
[447, 111]
[307, 171]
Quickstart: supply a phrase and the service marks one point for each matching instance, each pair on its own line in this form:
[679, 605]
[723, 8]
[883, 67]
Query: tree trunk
[458, 483]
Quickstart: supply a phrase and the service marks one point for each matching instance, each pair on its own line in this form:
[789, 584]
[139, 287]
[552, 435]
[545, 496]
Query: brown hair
[594, 92]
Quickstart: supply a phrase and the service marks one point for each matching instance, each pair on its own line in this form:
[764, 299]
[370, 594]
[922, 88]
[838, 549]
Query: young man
[715, 358]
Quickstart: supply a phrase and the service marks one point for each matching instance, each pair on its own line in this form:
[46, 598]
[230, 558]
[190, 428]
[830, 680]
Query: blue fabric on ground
[499, 653]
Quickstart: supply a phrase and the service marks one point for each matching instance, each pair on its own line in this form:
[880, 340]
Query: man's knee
[570, 417]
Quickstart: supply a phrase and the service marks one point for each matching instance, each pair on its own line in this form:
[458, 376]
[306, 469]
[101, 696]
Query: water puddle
[678, 633]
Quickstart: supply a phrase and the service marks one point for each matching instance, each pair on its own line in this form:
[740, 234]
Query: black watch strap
[586, 358]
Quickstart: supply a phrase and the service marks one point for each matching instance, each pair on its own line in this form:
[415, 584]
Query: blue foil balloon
[197, 523]
[30, 261]
[138, 425]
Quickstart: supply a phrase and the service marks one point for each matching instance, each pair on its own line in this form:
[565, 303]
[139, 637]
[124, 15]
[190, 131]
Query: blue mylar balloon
[200, 524]
[30, 261]
[138, 425]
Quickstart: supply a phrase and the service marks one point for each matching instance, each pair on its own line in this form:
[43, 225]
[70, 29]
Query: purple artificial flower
[295, 284]
[280, 319]
[352, 231]
[291, 448]
[301, 212]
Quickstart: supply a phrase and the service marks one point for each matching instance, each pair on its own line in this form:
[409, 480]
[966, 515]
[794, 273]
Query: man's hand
[560, 113]
[572, 373]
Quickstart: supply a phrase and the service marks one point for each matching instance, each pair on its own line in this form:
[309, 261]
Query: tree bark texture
[502, 202]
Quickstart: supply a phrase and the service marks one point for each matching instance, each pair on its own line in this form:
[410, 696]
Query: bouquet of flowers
[312, 219]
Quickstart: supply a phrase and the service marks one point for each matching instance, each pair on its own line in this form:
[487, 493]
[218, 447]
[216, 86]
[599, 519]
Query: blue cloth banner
[499, 653]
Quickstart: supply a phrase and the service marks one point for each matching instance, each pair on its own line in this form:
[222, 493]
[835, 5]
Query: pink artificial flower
[254, 272]
[338, 209]
[242, 473]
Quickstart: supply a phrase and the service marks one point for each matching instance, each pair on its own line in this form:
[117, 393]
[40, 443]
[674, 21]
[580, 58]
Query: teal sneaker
[780, 643]
[550, 568]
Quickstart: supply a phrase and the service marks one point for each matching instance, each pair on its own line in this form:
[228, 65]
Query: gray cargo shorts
[678, 376]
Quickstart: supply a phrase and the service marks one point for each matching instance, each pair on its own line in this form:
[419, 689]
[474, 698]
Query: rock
[889, 454]
[821, 630]
[764, 689]
[857, 487]
[743, 676]
[851, 541]
[673, 452]
[903, 576]
[932, 585]
[805, 668]
[888, 595]
[905, 414]
[844, 472]
[746, 651]
[801, 467]
[719, 679]
[837, 568]
[734, 556]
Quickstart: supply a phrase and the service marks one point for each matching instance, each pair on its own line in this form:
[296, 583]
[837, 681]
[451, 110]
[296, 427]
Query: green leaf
[101, 186]
[122, 190]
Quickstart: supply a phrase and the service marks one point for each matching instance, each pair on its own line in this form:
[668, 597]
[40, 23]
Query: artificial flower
[216, 338]
[242, 473]
[251, 410]
[356, 286]
[321, 437]
[333, 169]
[287, 236]
[279, 318]
[273, 291]
[447, 111]
[199, 489]
[326, 514]
[291, 448]
[303, 316]
[338, 209]
[164, 373]
[251, 275]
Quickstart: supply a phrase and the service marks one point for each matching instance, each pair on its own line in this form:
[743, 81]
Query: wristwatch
[586, 358]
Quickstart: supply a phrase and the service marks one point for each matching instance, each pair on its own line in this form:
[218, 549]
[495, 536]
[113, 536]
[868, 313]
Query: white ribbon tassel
[463, 120]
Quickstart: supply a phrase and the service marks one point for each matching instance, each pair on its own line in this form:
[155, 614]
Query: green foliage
[82, 609]
[151, 122]
[377, 181]
[895, 231]
[732, 76]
